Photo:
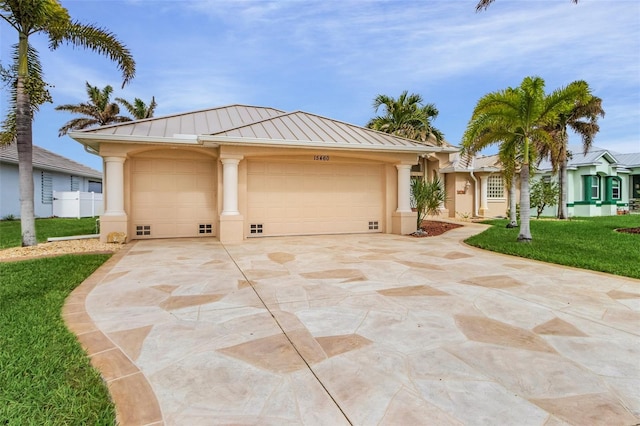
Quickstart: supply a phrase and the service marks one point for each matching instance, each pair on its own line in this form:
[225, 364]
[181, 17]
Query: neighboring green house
[599, 183]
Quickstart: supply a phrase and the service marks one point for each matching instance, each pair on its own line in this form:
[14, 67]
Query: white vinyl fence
[77, 204]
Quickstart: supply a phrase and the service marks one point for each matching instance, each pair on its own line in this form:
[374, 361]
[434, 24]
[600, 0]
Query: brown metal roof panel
[298, 128]
[187, 125]
[147, 128]
[322, 131]
[228, 118]
[278, 129]
[171, 127]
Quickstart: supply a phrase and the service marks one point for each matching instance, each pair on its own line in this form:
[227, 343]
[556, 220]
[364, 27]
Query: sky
[333, 57]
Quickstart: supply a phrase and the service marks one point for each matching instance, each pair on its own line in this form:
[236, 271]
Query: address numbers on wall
[321, 158]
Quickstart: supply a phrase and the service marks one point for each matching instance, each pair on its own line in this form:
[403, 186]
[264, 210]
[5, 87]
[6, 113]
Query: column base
[482, 212]
[110, 223]
[231, 230]
[403, 223]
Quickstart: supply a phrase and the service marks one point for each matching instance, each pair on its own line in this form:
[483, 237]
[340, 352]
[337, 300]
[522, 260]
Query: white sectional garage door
[301, 198]
[173, 197]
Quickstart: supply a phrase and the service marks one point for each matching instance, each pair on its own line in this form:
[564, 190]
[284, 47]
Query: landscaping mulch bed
[629, 230]
[433, 228]
[57, 248]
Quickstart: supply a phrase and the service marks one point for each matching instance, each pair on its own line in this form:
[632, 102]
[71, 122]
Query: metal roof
[202, 122]
[467, 163]
[242, 124]
[580, 158]
[301, 126]
[629, 160]
[47, 160]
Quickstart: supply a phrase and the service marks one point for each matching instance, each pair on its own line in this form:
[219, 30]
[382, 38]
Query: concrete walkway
[358, 329]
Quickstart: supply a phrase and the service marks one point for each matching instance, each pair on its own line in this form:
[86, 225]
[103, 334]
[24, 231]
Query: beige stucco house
[475, 186]
[239, 171]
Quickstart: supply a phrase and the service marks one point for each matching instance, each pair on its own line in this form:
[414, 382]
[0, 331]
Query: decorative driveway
[358, 329]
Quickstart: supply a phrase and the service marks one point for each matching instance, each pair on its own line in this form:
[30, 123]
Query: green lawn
[45, 376]
[588, 243]
[10, 234]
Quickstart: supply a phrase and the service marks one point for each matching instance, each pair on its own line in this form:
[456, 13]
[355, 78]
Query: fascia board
[97, 137]
[283, 143]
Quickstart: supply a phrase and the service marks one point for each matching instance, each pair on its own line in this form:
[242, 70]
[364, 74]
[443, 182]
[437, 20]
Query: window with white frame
[495, 187]
[594, 189]
[615, 189]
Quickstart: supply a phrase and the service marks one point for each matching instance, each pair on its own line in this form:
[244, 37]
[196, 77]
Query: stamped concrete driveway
[358, 329]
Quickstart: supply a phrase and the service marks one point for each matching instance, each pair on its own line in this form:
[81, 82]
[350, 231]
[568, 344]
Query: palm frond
[101, 41]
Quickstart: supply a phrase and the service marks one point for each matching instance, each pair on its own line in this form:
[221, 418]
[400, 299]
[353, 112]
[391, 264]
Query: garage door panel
[173, 196]
[308, 198]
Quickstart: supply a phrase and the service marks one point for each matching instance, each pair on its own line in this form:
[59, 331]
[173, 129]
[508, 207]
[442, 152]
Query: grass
[45, 376]
[587, 243]
[10, 233]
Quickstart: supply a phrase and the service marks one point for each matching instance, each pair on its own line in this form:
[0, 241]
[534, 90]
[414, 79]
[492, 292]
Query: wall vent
[143, 229]
[256, 228]
[205, 228]
[373, 225]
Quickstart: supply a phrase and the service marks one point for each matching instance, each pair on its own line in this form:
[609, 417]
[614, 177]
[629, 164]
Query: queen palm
[582, 118]
[139, 110]
[406, 117]
[516, 119]
[99, 111]
[49, 18]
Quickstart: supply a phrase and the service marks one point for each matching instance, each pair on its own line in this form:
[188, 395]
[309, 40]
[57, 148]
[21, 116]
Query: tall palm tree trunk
[24, 138]
[513, 205]
[563, 211]
[525, 202]
[25, 166]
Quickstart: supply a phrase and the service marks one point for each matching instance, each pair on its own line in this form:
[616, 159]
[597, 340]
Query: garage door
[173, 197]
[300, 198]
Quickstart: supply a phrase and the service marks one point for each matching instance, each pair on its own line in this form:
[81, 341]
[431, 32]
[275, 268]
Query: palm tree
[516, 118]
[48, 17]
[99, 111]
[139, 110]
[582, 118]
[484, 4]
[406, 117]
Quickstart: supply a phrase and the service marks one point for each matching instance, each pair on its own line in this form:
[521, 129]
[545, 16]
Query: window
[75, 183]
[495, 187]
[594, 186]
[615, 188]
[47, 188]
[95, 186]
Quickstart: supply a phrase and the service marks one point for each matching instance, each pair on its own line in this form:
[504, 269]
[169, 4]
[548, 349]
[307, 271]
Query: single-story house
[240, 171]
[51, 172]
[599, 183]
[475, 186]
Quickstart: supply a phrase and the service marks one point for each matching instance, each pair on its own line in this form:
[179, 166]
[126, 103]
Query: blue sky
[333, 57]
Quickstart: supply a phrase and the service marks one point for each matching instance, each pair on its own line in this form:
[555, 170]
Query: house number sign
[321, 158]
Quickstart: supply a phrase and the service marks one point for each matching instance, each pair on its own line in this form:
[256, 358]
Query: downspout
[475, 188]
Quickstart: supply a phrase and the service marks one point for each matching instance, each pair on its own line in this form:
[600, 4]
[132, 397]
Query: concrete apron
[358, 329]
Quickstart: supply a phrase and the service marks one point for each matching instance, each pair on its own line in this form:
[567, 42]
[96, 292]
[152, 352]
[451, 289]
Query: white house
[51, 172]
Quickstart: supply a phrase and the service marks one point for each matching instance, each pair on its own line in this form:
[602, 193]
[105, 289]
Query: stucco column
[484, 209]
[114, 174]
[230, 186]
[231, 221]
[404, 188]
